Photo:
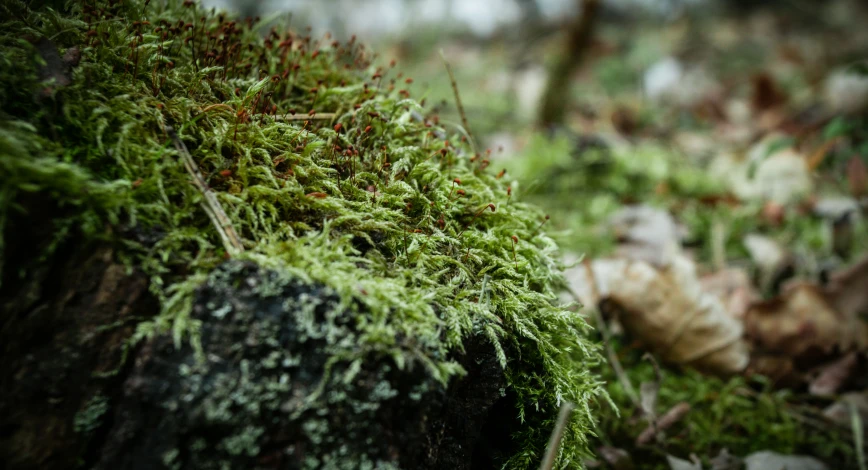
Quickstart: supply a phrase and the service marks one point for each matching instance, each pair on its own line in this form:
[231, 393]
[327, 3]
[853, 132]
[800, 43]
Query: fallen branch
[212, 206]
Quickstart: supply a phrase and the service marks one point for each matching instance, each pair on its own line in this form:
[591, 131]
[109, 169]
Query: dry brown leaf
[617, 459]
[840, 411]
[765, 93]
[857, 176]
[733, 287]
[667, 309]
[832, 376]
[779, 369]
[808, 319]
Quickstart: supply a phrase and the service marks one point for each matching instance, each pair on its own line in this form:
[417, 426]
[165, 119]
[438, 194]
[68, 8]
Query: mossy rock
[387, 302]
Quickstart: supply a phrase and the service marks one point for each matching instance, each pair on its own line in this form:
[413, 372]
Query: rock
[279, 384]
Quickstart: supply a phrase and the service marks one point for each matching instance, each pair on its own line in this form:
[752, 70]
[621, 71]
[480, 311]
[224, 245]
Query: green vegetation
[398, 215]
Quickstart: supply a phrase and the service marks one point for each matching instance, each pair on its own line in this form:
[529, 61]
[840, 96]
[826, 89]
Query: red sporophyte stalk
[541, 224]
[489, 206]
[514, 258]
[454, 182]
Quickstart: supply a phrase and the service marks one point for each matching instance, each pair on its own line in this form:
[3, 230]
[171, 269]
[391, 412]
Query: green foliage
[737, 414]
[89, 418]
[366, 203]
[583, 183]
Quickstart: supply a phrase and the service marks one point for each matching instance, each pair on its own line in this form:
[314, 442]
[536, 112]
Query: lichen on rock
[386, 276]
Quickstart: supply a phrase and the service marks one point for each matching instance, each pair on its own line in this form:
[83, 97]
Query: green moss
[89, 418]
[742, 415]
[369, 208]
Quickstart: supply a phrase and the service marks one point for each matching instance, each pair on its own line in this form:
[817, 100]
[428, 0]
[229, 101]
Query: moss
[742, 415]
[90, 417]
[366, 203]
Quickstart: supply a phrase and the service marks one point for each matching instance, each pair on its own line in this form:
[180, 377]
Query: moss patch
[396, 214]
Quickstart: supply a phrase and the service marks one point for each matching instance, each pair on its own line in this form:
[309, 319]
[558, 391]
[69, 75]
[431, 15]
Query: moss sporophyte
[312, 166]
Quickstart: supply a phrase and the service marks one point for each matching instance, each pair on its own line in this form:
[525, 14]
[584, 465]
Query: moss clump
[394, 213]
[741, 415]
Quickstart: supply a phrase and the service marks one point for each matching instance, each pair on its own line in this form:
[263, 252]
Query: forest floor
[709, 189]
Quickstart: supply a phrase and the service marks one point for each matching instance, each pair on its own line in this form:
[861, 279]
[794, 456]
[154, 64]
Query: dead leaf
[779, 369]
[808, 319]
[733, 287]
[774, 263]
[857, 176]
[679, 464]
[617, 459]
[768, 460]
[624, 120]
[765, 93]
[833, 375]
[839, 412]
[646, 233]
[648, 398]
[726, 461]
[847, 292]
[667, 310]
[767, 172]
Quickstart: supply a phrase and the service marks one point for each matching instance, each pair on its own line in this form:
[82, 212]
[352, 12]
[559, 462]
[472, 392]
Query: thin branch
[652, 432]
[210, 204]
[557, 435]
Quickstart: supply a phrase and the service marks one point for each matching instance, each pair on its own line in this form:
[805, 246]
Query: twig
[210, 203]
[457, 95]
[305, 117]
[674, 415]
[718, 244]
[649, 392]
[557, 435]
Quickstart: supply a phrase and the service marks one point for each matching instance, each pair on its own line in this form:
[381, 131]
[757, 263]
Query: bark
[556, 97]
